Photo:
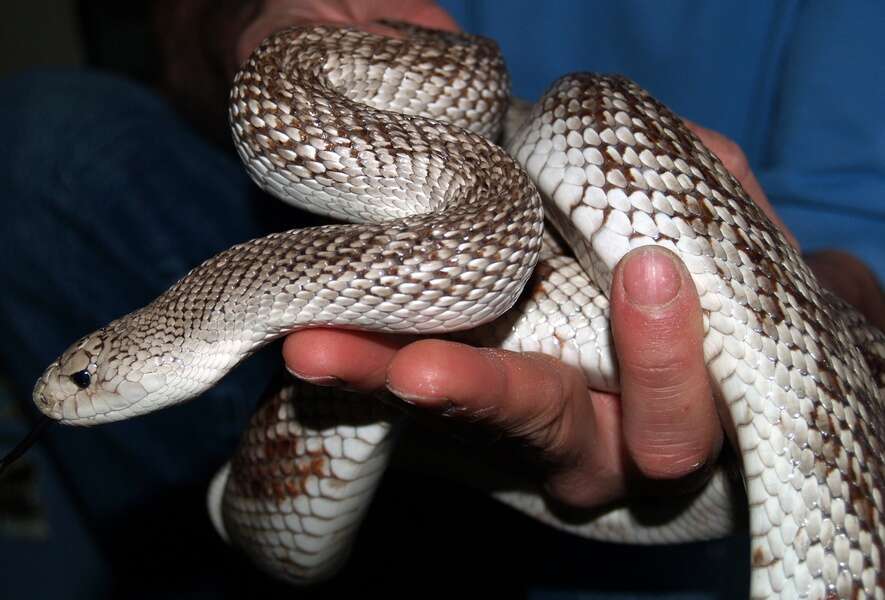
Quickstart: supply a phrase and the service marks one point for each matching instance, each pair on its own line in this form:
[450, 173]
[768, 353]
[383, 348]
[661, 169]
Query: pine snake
[445, 231]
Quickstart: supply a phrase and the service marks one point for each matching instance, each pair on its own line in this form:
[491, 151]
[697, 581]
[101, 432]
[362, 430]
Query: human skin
[662, 431]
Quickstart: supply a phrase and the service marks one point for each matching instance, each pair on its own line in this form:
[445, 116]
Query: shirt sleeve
[824, 167]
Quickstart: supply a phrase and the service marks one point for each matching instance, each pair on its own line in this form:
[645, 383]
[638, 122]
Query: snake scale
[443, 231]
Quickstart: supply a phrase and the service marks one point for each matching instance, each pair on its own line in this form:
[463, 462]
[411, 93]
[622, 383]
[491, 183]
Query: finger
[429, 14]
[852, 280]
[270, 22]
[277, 16]
[735, 161]
[531, 397]
[671, 428]
[334, 357]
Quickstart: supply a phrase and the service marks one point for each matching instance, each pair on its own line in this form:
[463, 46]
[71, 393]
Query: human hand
[851, 280]
[841, 273]
[202, 43]
[671, 429]
[279, 14]
[532, 397]
[662, 427]
[733, 158]
[663, 424]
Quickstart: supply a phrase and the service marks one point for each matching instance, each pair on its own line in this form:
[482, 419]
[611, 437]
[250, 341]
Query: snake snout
[43, 398]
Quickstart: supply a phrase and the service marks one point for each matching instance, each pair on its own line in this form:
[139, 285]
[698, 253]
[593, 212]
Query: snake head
[83, 386]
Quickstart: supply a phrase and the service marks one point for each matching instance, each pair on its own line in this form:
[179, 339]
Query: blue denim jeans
[108, 197]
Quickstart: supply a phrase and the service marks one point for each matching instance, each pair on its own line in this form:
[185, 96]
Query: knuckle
[585, 486]
[667, 378]
[671, 461]
[572, 495]
[552, 425]
[669, 355]
[733, 158]
[550, 428]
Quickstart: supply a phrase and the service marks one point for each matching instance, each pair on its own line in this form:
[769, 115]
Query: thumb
[671, 427]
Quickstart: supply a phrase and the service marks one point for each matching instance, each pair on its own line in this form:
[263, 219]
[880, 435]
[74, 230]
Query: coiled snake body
[391, 135]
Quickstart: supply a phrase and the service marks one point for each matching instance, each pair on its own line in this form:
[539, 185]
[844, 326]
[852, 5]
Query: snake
[444, 232]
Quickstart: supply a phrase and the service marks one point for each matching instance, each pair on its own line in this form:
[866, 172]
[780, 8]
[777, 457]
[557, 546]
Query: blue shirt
[799, 85]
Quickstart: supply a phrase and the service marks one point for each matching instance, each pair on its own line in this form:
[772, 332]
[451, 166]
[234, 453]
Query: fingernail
[325, 381]
[453, 410]
[650, 277]
[416, 400]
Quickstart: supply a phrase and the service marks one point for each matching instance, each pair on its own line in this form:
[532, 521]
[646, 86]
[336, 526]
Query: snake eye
[82, 379]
